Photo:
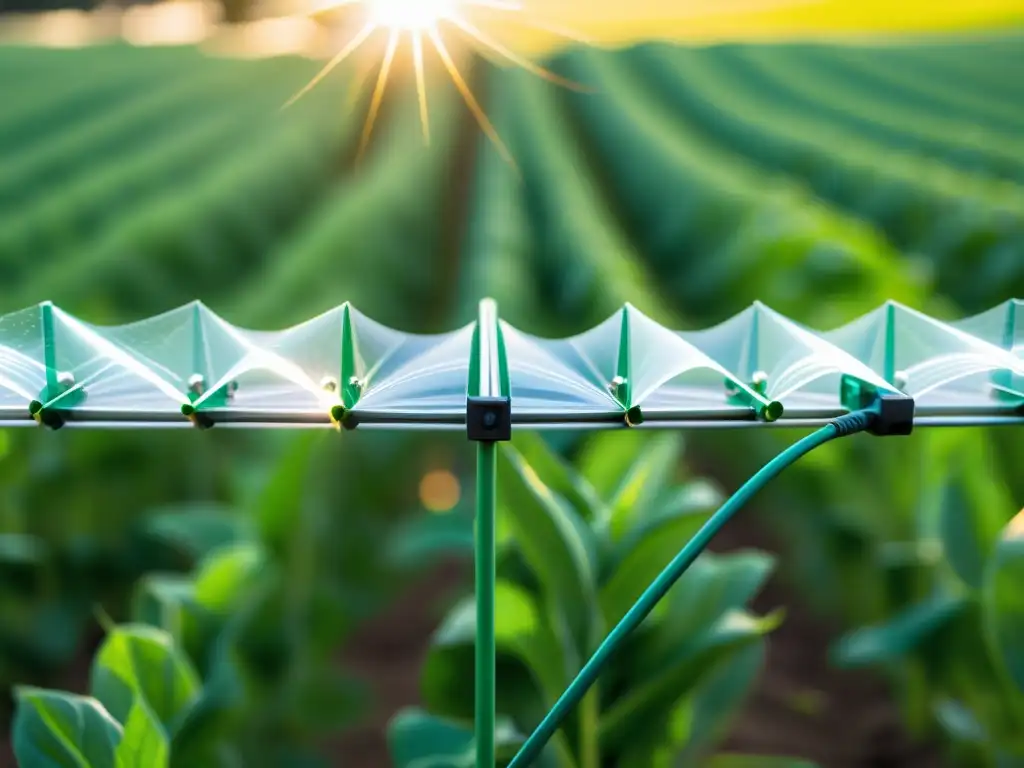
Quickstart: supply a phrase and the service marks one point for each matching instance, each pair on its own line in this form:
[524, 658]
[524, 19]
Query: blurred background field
[146, 163]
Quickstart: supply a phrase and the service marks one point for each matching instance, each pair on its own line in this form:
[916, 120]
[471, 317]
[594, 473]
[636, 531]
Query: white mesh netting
[756, 365]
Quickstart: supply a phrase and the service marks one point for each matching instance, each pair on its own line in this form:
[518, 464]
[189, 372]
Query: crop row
[49, 100]
[852, 105]
[922, 205]
[168, 107]
[713, 225]
[80, 211]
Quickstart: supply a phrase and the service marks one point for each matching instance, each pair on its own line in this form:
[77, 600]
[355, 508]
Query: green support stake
[754, 394]
[1006, 385]
[350, 386]
[622, 384]
[488, 421]
[200, 379]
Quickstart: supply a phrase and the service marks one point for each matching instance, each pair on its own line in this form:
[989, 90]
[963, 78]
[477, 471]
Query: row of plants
[925, 207]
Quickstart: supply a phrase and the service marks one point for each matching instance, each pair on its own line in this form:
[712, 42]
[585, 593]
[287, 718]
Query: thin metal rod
[486, 644]
[152, 421]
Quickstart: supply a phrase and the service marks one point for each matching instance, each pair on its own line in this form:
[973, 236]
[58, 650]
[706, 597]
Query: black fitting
[894, 415]
[489, 419]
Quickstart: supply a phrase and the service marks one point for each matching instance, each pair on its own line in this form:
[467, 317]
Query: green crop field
[690, 181]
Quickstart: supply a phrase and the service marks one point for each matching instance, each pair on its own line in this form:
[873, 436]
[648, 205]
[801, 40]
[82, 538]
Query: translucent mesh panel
[671, 375]
[746, 366]
[22, 370]
[406, 373]
[792, 364]
[941, 366]
[563, 376]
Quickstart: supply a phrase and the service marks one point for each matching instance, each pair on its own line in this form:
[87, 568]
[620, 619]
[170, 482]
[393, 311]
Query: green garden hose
[848, 424]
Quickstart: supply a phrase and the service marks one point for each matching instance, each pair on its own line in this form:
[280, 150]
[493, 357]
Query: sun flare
[421, 20]
[409, 15]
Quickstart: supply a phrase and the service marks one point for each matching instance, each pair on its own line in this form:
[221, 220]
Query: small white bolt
[617, 382]
[196, 383]
[759, 377]
[329, 384]
[900, 380]
[66, 379]
[355, 382]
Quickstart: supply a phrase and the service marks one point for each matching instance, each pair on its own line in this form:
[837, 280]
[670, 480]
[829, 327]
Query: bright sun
[410, 15]
[418, 20]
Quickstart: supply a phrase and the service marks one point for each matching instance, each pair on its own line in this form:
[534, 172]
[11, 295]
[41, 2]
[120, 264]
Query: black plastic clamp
[489, 419]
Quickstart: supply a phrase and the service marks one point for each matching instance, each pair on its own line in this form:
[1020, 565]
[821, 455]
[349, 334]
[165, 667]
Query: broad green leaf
[145, 743]
[659, 745]
[713, 586]
[1004, 601]
[551, 538]
[136, 661]
[901, 634]
[730, 760]
[417, 739]
[970, 523]
[646, 551]
[199, 529]
[606, 457]
[717, 699]
[559, 475]
[645, 480]
[280, 500]
[649, 698]
[532, 670]
[52, 729]
[521, 631]
[225, 574]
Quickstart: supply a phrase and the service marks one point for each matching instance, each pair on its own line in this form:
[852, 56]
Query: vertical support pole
[485, 576]
[488, 421]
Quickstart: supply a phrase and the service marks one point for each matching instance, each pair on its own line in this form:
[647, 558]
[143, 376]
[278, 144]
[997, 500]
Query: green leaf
[970, 527]
[729, 760]
[145, 743]
[648, 699]
[52, 729]
[224, 575]
[521, 632]
[901, 634]
[717, 699]
[1003, 601]
[645, 480]
[278, 505]
[198, 529]
[136, 661]
[713, 586]
[606, 457]
[646, 550]
[417, 739]
[551, 537]
[559, 475]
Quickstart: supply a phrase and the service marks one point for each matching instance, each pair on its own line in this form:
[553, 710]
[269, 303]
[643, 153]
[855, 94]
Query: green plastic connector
[754, 395]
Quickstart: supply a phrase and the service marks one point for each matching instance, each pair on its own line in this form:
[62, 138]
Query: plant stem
[590, 713]
[486, 471]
